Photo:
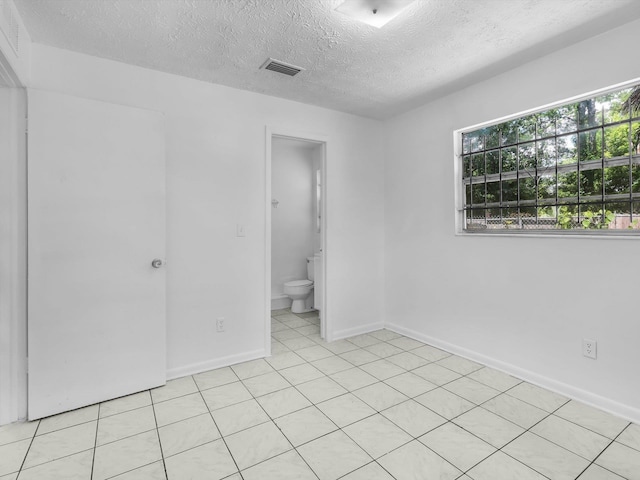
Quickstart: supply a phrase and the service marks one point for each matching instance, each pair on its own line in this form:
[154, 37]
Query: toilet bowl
[300, 291]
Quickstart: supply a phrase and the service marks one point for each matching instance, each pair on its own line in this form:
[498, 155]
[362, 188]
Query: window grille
[572, 167]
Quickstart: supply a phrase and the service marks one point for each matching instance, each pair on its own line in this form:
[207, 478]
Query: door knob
[157, 263]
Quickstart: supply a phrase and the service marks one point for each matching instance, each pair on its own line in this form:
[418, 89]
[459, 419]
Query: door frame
[13, 254]
[325, 318]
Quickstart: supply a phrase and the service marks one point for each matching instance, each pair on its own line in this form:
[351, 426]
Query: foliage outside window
[573, 167]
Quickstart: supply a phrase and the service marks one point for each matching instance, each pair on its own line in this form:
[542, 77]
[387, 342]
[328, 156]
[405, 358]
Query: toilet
[301, 291]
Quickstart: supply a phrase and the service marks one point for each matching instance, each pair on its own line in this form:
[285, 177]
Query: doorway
[296, 222]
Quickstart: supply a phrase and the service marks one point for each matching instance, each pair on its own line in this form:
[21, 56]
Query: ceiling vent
[281, 67]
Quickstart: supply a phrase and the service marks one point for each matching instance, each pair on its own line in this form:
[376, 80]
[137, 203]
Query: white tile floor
[373, 407]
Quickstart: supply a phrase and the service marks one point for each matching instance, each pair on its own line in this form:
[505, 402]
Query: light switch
[240, 230]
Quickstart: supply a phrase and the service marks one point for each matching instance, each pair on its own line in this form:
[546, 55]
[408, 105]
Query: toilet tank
[310, 268]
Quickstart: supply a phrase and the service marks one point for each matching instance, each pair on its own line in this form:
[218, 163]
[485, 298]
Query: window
[572, 167]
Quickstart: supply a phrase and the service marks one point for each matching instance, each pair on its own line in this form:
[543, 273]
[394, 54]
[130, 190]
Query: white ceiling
[432, 48]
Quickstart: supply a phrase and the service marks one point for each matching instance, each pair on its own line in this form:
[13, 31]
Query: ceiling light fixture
[376, 13]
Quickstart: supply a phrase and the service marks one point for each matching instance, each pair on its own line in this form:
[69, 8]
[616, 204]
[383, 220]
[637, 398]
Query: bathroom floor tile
[630, 437]
[127, 454]
[363, 340]
[314, 353]
[301, 373]
[444, 403]
[237, 417]
[380, 396]
[376, 435]
[545, 457]
[371, 471]
[333, 455]
[179, 408]
[153, 471]
[622, 460]
[471, 390]
[459, 364]
[457, 446]
[413, 417]
[436, 374]
[321, 389]
[407, 360]
[592, 418]
[257, 444]
[17, 431]
[596, 472]
[125, 404]
[359, 357]
[186, 434]
[430, 353]
[61, 443]
[174, 389]
[299, 343]
[252, 368]
[341, 346]
[212, 458]
[503, 467]
[286, 466]
[385, 335]
[406, 343]
[515, 410]
[285, 360]
[412, 460]
[215, 378]
[267, 383]
[68, 419]
[538, 397]
[331, 365]
[383, 349]
[74, 467]
[12, 455]
[410, 384]
[488, 426]
[494, 378]
[345, 409]
[116, 427]
[220, 397]
[381, 369]
[573, 437]
[354, 379]
[282, 402]
[305, 425]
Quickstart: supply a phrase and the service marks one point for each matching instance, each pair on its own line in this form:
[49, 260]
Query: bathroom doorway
[296, 253]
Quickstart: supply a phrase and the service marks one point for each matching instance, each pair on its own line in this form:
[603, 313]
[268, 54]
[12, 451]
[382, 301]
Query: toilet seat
[299, 283]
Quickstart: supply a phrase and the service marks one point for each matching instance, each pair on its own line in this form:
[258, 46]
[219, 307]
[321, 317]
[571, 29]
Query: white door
[96, 221]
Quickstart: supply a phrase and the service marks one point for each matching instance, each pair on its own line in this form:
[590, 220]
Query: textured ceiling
[432, 48]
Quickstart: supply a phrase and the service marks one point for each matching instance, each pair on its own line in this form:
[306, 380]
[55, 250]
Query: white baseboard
[603, 403]
[280, 302]
[350, 332]
[200, 367]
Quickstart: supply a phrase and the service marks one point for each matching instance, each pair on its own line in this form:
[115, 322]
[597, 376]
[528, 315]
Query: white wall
[521, 304]
[293, 222]
[216, 179]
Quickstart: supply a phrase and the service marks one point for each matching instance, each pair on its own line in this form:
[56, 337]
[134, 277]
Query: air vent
[281, 67]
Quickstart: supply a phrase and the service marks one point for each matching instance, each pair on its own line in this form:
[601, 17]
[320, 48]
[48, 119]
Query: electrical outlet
[589, 348]
[220, 324]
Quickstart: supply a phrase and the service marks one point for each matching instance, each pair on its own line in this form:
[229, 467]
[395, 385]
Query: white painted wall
[521, 304]
[215, 148]
[293, 222]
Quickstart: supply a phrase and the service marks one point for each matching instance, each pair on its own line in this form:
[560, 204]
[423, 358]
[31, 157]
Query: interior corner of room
[368, 204]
